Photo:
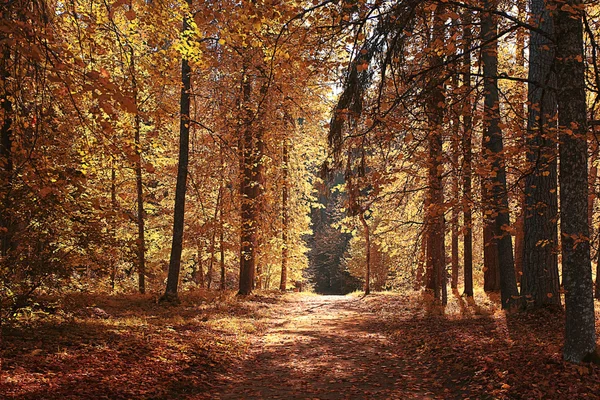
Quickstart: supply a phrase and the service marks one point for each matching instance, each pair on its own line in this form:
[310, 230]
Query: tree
[358, 205]
[139, 183]
[467, 157]
[285, 218]
[250, 188]
[182, 171]
[519, 186]
[455, 191]
[493, 153]
[435, 110]
[580, 333]
[6, 138]
[539, 283]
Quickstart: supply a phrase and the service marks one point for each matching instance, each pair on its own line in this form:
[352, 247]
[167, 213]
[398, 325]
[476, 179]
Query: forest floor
[392, 346]
[296, 346]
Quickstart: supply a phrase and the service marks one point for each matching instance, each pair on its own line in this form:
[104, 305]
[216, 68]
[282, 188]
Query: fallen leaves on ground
[127, 347]
[388, 346]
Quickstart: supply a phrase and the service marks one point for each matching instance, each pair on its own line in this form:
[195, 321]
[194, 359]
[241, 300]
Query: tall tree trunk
[493, 151]
[430, 275]
[597, 285]
[6, 158]
[491, 271]
[455, 141]
[221, 218]
[198, 275]
[259, 183]
[139, 184]
[467, 157]
[435, 209]
[580, 334]
[284, 216]
[140, 241]
[443, 276]
[539, 283]
[365, 225]
[213, 239]
[249, 195]
[422, 255]
[113, 225]
[221, 249]
[435, 218]
[520, 159]
[182, 171]
[593, 178]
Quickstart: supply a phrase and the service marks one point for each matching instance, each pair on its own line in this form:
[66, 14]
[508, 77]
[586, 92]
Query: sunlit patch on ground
[388, 346]
[127, 347]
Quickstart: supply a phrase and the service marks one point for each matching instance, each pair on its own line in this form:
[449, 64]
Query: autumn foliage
[173, 148]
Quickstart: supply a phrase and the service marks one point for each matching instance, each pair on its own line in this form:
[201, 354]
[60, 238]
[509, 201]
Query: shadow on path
[390, 348]
[330, 349]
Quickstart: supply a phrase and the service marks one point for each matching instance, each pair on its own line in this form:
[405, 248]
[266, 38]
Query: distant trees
[245, 122]
[327, 244]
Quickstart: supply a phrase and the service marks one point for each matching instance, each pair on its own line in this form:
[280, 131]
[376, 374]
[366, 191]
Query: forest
[333, 199]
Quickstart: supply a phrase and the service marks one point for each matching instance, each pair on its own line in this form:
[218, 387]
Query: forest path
[322, 347]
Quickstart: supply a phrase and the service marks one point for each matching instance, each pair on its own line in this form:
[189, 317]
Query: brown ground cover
[385, 346]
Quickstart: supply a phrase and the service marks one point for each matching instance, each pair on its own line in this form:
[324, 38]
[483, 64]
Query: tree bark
[539, 283]
[580, 334]
[592, 179]
[182, 171]
[221, 247]
[213, 239]
[467, 159]
[141, 240]
[365, 225]
[259, 183]
[139, 184]
[597, 285]
[435, 207]
[420, 272]
[221, 219]
[198, 275]
[455, 141]
[284, 216]
[493, 151]
[113, 225]
[491, 271]
[251, 159]
[6, 158]
[520, 139]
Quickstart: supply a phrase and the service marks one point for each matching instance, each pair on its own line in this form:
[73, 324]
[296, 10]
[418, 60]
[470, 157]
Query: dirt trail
[324, 348]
